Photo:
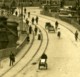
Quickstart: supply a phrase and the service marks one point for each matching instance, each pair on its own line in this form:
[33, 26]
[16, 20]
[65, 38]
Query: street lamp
[21, 6]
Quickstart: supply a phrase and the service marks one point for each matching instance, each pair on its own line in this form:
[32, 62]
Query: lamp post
[21, 27]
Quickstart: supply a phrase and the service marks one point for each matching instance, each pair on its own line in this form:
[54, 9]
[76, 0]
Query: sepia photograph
[39, 38]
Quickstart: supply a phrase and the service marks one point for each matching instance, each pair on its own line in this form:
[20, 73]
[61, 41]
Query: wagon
[43, 64]
[49, 27]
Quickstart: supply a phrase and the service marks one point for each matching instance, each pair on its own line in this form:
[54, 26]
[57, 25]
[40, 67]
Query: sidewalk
[59, 61]
[38, 48]
[4, 64]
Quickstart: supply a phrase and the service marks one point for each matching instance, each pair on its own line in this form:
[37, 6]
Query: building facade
[39, 2]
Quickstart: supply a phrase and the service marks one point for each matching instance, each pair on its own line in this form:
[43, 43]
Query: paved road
[63, 54]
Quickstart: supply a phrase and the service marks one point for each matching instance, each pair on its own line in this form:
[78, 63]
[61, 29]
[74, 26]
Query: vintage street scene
[39, 38]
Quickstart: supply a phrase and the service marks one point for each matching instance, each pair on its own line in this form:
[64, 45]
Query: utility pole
[21, 27]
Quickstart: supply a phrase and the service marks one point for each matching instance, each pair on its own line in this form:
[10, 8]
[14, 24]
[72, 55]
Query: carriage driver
[44, 56]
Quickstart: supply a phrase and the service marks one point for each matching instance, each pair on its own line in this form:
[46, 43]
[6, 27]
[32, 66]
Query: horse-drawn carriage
[49, 27]
[43, 61]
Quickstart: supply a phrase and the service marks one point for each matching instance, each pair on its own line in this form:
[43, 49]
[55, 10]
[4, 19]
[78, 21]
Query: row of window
[19, 0]
[42, 1]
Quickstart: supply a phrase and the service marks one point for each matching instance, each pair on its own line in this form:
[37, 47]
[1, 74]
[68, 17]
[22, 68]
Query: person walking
[28, 38]
[39, 35]
[37, 19]
[76, 35]
[25, 10]
[33, 20]
[36, 29]
[30, 29]
[16, 13]
[59, 34]
[56, 25]
[12, 58]
[28, 14]
[27, 21]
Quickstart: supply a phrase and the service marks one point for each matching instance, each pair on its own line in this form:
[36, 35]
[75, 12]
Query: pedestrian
[25, 10]
[30, 29]
[36, 29]
[76, 35]
[16, 13]
[27, 21]
[39, 35]
[12, 58]
[56, 25]
[59, 34]
[44, 56]
[37, 19]
[32, 20]
[28, 38]
[28, 14]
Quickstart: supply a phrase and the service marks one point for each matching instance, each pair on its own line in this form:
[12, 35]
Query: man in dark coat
[12, 58]
[37, 19]
[16, 13]
[56, 25]
[76, 35]
[30, 29]
[29, 14]
[28, 38]
[59, 34]
[25, 10]
[39, 35]
[32, 20]
[44, 56]
[36, 29]
[27, 21]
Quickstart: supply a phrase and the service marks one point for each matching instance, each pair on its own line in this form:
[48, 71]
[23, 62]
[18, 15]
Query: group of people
[30, 27]
[35, 19]
[12, 55]
[34, 28]
[44, 56]
[76, 34]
